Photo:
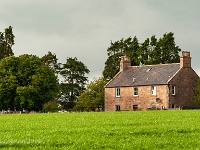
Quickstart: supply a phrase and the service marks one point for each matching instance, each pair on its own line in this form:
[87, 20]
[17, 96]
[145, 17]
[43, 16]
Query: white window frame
[173, 90]
[117, 92]
[153, 90]
[135, 91]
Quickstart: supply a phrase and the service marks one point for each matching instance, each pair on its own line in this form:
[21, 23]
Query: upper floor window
[153, 90]
[135, 91]
[173, 90]
[117, 92]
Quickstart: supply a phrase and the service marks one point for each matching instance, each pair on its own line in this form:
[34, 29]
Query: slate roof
[145, 75]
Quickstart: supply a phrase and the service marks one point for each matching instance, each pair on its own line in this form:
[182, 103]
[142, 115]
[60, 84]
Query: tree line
[28, 82]
[151, 51]
[31, 82]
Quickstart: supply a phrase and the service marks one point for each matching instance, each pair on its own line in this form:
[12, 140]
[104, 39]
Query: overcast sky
[84, 28]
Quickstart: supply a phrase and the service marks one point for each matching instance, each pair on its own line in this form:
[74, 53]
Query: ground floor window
[135, 107]
[117, 107]
[173, 106]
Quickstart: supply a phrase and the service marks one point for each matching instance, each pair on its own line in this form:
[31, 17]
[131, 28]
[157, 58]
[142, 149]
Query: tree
[117, 49]
[155, 51]
[26, 83]
[51, 61]
[196, 95]
[51, 106]
[93, 97]
[168, 48]
[144, 52]
[151, 51]
[6, 43]
[111, 66]
[73, 72]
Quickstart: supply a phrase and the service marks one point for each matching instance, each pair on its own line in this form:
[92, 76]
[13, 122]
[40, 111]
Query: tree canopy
[93, 97]
[51, 61]
[151, 51]
[196, 95]
[73, 72]
[26, 83]
[6, 42]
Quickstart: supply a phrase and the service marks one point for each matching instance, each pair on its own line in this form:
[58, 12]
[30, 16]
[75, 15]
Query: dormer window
[117, 92]
[153, 90]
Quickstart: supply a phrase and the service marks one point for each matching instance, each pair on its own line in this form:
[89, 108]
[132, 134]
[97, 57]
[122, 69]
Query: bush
[50, 106]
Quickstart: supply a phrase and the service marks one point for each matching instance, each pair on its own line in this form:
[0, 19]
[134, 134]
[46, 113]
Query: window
[173, 90]
[153, 90]
[135, 107]
[173, 106]
[135, 92]
[153, 106]
[117, 107]
[117, 92]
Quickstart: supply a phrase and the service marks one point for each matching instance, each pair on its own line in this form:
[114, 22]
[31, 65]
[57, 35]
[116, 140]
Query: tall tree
[111, 66]
[133, 52]
[144, 52]
[168, 48]
[117, 49]
[151, 51]
[6, 43]
[51, 61]
[93, 97]
[25, 82]
[155, 51]
[73, 72]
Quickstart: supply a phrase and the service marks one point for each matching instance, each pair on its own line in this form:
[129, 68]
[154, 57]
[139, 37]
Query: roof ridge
[154, 65]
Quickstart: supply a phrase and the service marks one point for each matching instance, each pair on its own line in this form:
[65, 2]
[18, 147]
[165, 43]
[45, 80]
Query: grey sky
[84, 28]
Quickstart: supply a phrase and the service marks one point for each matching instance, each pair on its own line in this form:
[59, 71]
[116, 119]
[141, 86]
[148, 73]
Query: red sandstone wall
[144, 100]
[185, 82]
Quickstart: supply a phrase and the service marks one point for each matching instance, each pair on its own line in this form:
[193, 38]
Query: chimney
[185, 60]
[124, 63]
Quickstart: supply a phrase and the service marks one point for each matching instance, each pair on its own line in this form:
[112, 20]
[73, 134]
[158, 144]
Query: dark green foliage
[73, 72]
[51, 106]
[93, 97]
[6, 43]
[26, 83]
[144, 52]
[196, 95]
[51, 61]
[151, 51]
[117, 49]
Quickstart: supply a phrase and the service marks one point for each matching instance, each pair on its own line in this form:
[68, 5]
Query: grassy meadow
[166, 129]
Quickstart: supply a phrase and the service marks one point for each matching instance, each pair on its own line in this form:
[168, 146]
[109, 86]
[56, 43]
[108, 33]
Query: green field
[103, 130]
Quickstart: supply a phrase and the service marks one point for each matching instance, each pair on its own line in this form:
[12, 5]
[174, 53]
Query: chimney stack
[185, 60]
[124, 63]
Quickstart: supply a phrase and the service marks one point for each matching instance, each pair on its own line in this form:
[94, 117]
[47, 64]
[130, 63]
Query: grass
[104, 130]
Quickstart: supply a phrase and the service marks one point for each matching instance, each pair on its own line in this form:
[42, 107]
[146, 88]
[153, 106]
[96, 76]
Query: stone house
[161, 86]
